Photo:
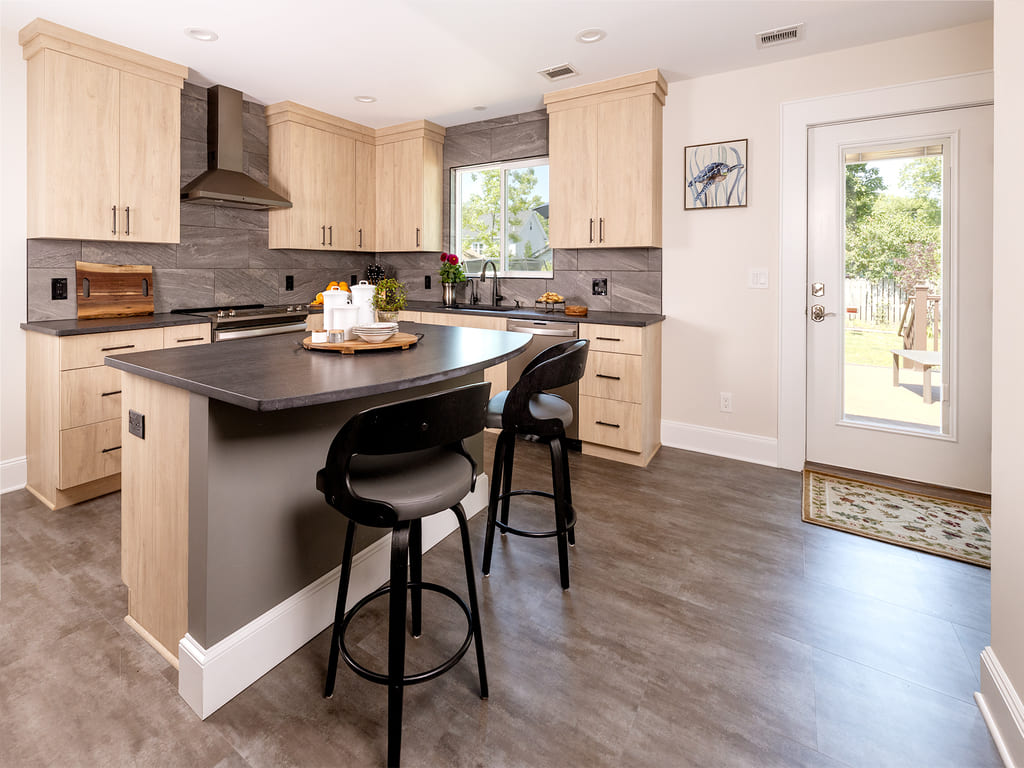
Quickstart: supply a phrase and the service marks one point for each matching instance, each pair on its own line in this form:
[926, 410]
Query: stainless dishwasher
[547, 333]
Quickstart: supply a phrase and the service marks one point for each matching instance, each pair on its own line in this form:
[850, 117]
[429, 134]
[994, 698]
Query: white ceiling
[437, 59]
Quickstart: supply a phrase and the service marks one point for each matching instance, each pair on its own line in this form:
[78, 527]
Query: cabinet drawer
[88, 395]
[89, 453]
[186, 335]
[612, 376]
[611, 422]
[409, 316]
[627, 339]
[89, 349]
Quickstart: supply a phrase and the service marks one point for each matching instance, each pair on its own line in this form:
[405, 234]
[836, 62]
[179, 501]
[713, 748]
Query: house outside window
[500, 214]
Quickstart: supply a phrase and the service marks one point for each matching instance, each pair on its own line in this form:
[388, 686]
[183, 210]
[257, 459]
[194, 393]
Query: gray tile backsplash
[222, 257]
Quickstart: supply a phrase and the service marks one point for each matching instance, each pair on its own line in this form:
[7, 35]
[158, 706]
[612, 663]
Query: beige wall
[1008, 370]
[719, 334]
[12, 258]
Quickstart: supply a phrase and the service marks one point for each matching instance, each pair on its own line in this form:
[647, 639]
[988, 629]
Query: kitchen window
[500, 214]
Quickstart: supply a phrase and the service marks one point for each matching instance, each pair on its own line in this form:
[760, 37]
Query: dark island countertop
[273, 373]
[109, 324]
[531, 313]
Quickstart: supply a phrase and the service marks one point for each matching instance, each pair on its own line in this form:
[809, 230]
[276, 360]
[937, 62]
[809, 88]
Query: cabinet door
[408, 194]
[366, 190]
[340, 192]
[150, 169]
[387, 239]
[625, 181]
[573, 151]
[72, 148]
[297, 155]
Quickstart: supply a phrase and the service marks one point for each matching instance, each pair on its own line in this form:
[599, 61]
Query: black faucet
[495, 296]
[474, 299]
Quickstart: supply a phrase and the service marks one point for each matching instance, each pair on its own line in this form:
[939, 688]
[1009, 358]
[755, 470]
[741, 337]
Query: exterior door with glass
[899, 296]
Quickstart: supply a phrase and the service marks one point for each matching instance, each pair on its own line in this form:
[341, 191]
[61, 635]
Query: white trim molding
[13, 474]
[796, 117]
[1002, 709]
[756, 449]
[210, 677]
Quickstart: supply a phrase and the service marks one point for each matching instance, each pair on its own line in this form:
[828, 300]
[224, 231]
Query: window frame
[455, 218]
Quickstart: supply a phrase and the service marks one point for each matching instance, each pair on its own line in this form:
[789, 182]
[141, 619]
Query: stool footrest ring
[505, 528]
[419, 677]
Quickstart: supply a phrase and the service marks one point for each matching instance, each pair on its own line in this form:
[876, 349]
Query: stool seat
[543, 406]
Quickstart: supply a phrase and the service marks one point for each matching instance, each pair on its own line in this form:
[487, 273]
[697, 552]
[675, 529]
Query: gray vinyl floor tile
[706, 625]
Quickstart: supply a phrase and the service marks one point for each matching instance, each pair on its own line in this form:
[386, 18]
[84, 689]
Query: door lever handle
[818, 313]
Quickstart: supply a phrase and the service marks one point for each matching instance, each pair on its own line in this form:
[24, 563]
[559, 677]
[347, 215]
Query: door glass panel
[893, 311]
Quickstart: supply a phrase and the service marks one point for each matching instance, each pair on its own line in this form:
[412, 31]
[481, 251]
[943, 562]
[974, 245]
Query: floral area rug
[940, 527]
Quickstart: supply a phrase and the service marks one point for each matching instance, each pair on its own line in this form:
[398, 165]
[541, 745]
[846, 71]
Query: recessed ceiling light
[366, 99]
[203, 35]
[591, 35]
[479, 107]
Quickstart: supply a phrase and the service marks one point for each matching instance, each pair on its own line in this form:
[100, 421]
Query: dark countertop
[529, 313]
[108, 324]
[272, 373]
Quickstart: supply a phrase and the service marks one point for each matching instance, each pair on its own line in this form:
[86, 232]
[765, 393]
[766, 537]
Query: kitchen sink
[481, 308]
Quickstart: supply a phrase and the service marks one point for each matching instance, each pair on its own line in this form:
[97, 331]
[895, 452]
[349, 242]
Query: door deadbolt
[817, 289]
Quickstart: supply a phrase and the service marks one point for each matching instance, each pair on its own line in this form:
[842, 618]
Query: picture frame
[715, 175]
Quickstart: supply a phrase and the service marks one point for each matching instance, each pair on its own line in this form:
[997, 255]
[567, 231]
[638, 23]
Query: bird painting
[716, 175]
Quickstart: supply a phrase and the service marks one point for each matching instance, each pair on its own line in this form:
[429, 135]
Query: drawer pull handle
[115, 448]
[108, 394]
[607, 338]
[111, 349]
[191, 338]
[607, 424]
[606, 376]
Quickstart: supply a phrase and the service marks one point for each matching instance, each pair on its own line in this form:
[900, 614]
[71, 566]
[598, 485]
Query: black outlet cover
[289, 282]
[426, 282]
[600, 286]
[353, 280]
[137, 424]
[58, 288]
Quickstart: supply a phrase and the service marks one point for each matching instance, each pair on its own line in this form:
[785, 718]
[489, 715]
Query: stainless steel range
[246, 320]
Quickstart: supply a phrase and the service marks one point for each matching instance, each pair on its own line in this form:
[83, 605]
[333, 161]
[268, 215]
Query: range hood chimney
[224, 183]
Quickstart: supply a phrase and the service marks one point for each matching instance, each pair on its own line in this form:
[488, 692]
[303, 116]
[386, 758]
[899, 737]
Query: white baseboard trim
[1002, 710]
[210, 677]
[13, 474]
[721, 442]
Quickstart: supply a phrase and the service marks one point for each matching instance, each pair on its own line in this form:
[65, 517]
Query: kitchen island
[228, 551]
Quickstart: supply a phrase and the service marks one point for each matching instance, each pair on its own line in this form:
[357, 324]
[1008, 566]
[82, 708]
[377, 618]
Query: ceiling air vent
[780, 36]
[559, 72]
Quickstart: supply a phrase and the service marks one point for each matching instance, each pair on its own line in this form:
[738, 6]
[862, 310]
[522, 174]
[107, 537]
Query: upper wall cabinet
[104, 137]
[325, 166]
[605, 155]
[409, 187]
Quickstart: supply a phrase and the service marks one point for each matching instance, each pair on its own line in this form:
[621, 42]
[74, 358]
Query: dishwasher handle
[542, 329]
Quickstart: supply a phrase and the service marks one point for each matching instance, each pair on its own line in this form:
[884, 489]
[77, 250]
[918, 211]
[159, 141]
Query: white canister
[346, 318]
[362, 297]
[334, 299]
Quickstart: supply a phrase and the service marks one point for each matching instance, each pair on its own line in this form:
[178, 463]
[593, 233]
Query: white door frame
[968, 90]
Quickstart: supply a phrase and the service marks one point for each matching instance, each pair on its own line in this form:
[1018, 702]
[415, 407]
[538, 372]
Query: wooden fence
[877, 302]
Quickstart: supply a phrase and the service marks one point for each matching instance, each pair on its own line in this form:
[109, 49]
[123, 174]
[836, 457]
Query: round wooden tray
[398, 341]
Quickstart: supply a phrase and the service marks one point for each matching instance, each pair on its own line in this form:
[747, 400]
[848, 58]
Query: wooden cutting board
[399, 340]
[109, 290]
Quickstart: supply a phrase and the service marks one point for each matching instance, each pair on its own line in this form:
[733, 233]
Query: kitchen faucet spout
[495, 296]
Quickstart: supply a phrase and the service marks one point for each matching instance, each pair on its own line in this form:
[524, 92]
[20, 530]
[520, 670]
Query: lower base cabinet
[73, 408]
[497, 375]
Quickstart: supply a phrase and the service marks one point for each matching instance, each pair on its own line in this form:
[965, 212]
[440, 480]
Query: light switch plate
[137, 424]
[758, 279]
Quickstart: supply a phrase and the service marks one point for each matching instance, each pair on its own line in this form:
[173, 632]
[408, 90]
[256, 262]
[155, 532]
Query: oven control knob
[231, 313]
[220, 313]
[290, 309]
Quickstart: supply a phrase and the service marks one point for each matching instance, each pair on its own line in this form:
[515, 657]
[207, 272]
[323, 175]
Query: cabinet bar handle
[111, 349]
[591, 230]
[607, 424]
[417, 237]
[360, 238]
[606, 376]
[323, 234]
[127, 220]
[108, 450]
[113, 223]
[330, 235]
[600, 230]
[606, 338]
[108, 394]
[192, 338]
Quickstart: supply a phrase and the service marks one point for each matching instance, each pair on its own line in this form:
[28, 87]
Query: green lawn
[871, 348]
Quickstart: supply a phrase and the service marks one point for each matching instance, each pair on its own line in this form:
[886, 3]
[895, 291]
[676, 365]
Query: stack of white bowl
[375, 333]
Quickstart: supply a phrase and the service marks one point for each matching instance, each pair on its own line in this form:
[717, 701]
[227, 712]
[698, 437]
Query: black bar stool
[527, 410]
[389, 467]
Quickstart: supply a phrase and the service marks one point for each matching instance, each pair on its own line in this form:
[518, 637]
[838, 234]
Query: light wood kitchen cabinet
[408, 194]
[620, 392]
[319, 162]
[73, 408]
[366, 196]
[104, 135]
[497, 375]
[605, 148]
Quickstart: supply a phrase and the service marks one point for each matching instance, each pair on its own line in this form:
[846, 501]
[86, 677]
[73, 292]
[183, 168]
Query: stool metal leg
[492, 503]
[567, 479]
[506, 484]
[558, 481]
[416, 575]
[396, 638]
[474, 608]
[339, 611]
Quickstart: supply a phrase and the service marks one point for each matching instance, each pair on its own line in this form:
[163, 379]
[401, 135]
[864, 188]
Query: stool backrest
[556, 366]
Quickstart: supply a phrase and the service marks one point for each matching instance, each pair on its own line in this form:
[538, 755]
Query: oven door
[227, 334]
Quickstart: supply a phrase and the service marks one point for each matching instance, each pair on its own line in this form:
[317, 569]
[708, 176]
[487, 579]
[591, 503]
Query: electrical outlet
[137, 424]
[426, 282]
[58, 288]
[600, 286]
[725, 402]
[289, 282]
[353, 280]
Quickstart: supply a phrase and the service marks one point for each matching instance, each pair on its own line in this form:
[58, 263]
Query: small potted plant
[451, 274]
[389, 297]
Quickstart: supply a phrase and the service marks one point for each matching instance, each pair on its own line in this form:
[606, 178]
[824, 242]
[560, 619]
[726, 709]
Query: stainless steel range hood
[224, 183]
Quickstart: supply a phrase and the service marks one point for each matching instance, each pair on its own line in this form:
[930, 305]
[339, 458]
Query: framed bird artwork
[716, 175]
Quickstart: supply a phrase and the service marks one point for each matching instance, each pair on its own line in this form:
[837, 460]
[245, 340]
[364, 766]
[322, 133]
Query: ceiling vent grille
[559, 72]
[780, 36]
